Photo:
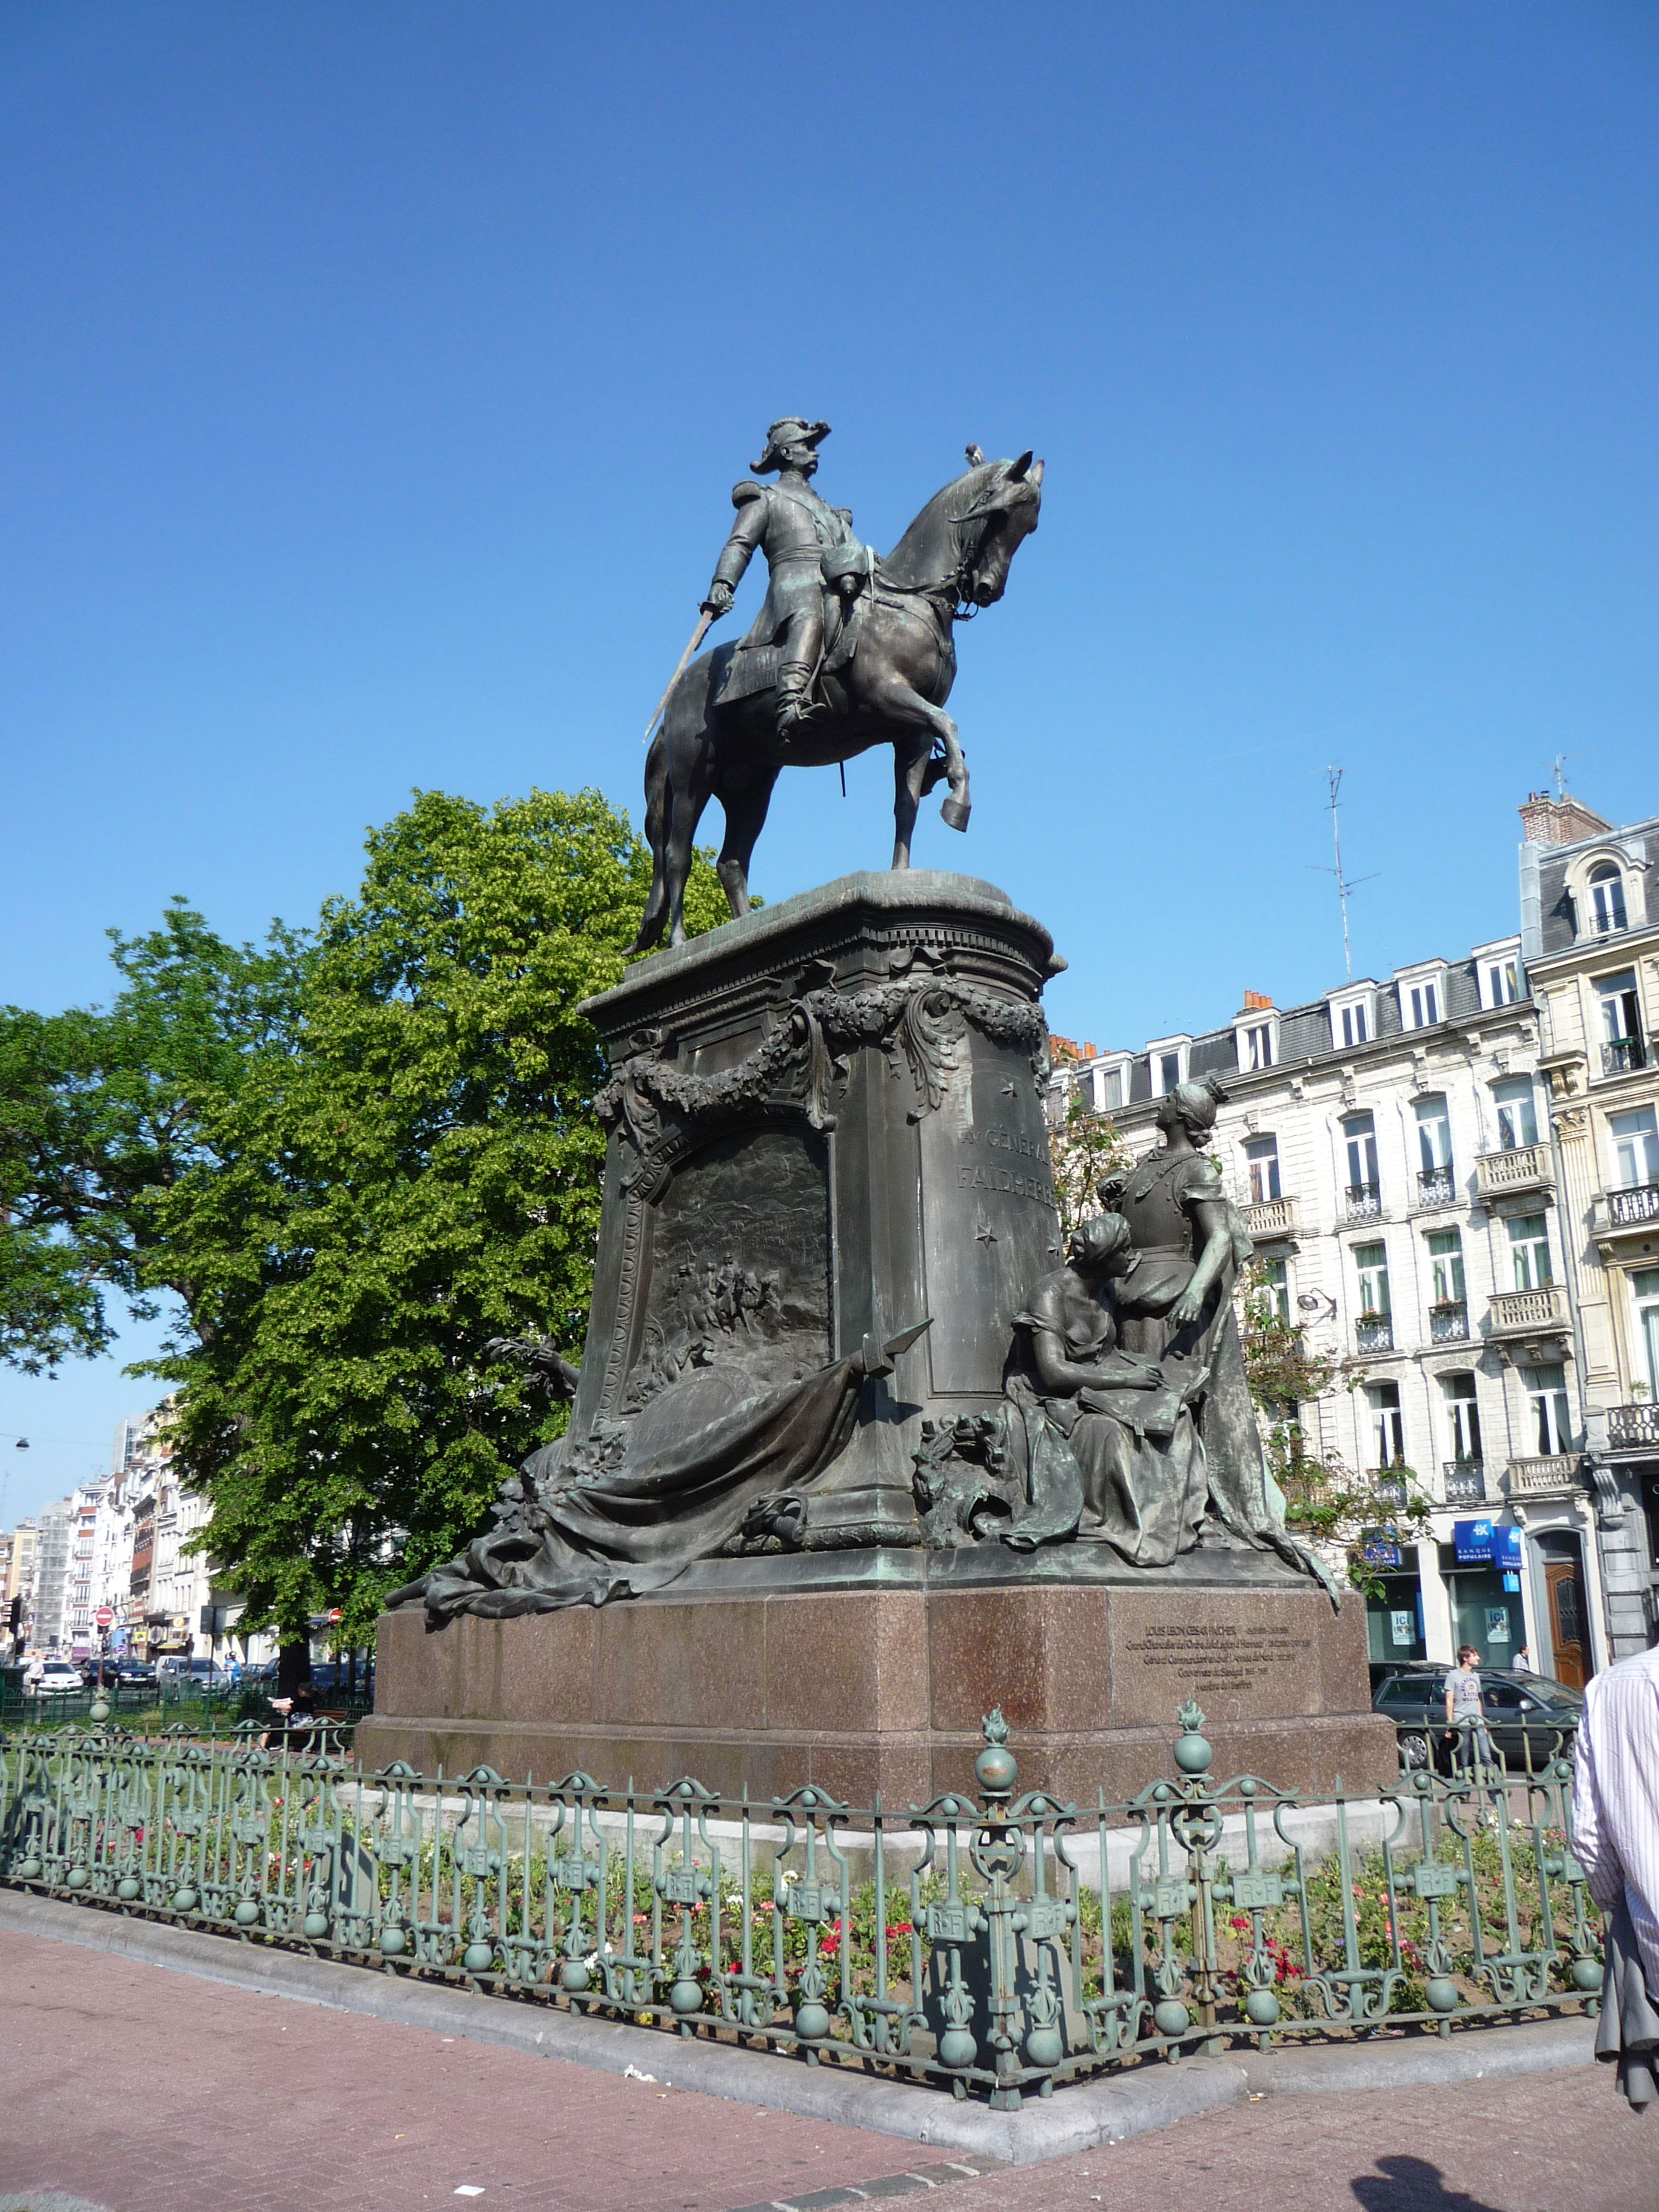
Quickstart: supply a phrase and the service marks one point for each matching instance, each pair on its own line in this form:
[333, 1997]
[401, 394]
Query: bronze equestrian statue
[848, 651]
[792, 526]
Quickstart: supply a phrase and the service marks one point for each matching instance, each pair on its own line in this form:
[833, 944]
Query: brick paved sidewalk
[144, 2090]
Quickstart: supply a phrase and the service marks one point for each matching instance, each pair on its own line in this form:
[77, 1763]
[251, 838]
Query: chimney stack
[1549, 821]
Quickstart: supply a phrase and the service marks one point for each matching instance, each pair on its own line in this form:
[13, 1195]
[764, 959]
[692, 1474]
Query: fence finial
[996, 1767]
[1191, 1753]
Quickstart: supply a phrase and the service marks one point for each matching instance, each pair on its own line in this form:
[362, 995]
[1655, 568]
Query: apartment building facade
[1389, 1149]
[1590, 914]
[46, 1587]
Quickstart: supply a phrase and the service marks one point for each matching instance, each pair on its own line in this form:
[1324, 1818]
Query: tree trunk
[293, 1667]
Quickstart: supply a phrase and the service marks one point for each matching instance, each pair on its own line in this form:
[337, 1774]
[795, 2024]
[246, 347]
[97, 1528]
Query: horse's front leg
[897, 701]
[958, 805]
[910, 769]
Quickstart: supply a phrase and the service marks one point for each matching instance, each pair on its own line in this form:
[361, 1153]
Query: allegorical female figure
[1112, 1449]
[1153, 1285]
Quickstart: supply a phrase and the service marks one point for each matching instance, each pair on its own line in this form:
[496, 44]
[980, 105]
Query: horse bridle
[962, 610]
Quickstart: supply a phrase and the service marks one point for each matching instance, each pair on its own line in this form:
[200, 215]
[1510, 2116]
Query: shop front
[1393, 1603]
[1482, 1568]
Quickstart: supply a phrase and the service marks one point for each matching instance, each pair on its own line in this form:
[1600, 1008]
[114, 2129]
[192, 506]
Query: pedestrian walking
[1466, 1725]
[1615, 1838]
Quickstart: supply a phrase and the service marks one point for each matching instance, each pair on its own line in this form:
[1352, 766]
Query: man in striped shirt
[1616, 1839]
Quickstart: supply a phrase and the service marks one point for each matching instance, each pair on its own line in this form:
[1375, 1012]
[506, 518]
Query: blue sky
[374, 377]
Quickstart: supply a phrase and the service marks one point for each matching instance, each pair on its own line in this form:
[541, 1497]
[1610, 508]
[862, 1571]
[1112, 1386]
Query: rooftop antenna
[1344, 885]
[1560, 776]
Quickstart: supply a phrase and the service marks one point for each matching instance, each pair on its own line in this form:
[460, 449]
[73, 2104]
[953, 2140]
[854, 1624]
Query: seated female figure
[1111, 1444]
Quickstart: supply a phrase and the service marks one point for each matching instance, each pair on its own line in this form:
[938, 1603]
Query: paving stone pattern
[138, 2089]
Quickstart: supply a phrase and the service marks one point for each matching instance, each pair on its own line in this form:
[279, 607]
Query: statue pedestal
[838, 1097]
[861, 1682]
[827, 1126]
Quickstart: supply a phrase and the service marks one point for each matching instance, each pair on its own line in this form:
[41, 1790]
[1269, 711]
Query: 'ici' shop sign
[1486, 1543]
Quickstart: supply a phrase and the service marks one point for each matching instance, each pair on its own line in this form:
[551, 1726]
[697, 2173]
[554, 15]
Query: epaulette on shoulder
[743, 493]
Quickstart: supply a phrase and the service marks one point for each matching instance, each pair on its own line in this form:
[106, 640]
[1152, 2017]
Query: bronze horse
[885, 684]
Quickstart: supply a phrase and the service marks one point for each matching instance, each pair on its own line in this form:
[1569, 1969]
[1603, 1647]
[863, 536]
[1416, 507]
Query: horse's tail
[658, 809]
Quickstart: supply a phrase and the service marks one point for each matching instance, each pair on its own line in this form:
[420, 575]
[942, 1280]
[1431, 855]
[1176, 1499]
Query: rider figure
[794, 528]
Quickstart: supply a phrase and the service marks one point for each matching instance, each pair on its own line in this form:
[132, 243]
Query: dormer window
[1166, 1063]
[1109, 1083]
[1352, 1022]
[1501, 980]
[1606, 900]
[1422, 997]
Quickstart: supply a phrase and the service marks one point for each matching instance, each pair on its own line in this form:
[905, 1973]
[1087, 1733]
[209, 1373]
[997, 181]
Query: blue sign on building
[1379, 1547]
[1486, 1543]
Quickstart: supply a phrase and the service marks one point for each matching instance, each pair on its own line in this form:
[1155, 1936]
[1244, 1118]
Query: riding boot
[794, 682]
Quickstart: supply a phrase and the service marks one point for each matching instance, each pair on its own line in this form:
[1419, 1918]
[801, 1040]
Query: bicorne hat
[792, 430]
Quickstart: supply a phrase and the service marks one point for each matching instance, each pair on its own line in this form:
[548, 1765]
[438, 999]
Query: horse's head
[1006, 498]
[967, 534]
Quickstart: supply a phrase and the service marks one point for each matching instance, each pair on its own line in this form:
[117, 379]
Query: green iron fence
[1002, 1943]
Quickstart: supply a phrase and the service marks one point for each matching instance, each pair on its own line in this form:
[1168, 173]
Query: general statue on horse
[848, 651]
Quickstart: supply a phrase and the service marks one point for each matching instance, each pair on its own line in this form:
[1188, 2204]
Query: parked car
[55, 1675]
[136, 1673]
[1528, 1718]
[178, 1673]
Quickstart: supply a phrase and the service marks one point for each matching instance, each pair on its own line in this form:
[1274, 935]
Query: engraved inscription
[1039, 1187]
[988, 1219]
[1016, 1140]
[1216, 1658]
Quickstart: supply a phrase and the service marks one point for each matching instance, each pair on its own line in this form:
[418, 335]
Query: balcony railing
[1436, 1187]
[1388, 1489]
[1620, 1055]
[1374, 1333]
[1522, 1168]
[1525, 1313]
[1364, 1202]
[1628, 1208]
[1271, 1218]
[1541, 1477]
[1465, 1480]
[1448, 1321]
[1633, 1428]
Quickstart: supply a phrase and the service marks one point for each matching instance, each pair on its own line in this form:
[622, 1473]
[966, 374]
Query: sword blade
[686, 658]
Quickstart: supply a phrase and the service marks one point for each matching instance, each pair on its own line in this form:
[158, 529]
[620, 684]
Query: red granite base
[866, 1690]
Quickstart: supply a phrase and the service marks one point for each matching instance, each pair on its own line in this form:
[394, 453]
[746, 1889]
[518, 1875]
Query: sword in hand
[705, 623]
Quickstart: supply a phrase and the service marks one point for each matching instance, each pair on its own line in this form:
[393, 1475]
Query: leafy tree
[1324, 1500]
[1085, 1150]
[101, 1111]
[418, 1176]
[357, 1158]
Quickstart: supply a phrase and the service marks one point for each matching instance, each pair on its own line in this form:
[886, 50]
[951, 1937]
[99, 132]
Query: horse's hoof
[954, 812]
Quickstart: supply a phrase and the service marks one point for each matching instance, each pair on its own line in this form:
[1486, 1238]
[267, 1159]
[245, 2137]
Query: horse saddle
[753, 669]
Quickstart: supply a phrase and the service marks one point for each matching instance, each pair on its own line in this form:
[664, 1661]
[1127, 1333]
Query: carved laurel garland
[919, 1023]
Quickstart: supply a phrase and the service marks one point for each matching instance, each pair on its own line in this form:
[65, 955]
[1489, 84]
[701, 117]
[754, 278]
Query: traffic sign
[105, 1616]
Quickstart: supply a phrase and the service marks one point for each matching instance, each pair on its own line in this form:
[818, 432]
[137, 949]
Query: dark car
[136, 1674]
[1529, 1718]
